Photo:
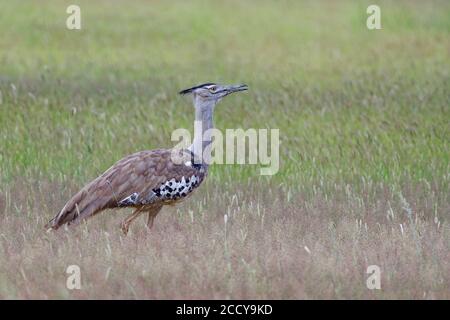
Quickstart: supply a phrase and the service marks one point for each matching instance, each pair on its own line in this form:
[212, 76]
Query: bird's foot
[150, 220]
[124, 227]
[149, 225]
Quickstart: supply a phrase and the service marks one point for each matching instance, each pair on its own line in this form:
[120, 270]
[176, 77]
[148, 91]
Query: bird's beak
[236, 88]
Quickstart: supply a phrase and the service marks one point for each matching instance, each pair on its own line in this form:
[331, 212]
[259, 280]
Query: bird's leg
[152, 213]
[126, 223]
[150, 219]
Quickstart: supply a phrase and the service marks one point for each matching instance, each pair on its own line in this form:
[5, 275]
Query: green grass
[363, 118]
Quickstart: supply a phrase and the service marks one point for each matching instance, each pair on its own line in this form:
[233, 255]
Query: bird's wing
[129, 182]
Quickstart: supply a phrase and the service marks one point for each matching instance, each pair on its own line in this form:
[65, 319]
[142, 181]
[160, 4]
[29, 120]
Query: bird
[148, 180]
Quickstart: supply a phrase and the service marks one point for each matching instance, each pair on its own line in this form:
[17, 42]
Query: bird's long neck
[202, 130]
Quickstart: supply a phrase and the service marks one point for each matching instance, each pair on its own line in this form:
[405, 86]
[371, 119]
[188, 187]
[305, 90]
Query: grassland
[364, 125]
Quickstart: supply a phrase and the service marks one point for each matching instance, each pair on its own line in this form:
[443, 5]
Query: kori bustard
[148, 180]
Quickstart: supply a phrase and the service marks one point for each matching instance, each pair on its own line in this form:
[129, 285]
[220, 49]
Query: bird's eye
[213, 89]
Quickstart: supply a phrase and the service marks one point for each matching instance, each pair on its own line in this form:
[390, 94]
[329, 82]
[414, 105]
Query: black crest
[189, 90]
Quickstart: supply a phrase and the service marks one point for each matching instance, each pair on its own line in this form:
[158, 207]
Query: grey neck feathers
[203, 124]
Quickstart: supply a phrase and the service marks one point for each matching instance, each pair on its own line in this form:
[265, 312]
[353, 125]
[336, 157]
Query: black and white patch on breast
[175, 189]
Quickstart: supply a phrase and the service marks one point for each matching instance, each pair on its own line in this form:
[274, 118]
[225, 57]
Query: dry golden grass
[275, 245]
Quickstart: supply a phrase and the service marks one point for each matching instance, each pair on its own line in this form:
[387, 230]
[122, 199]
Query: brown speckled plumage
[148, 180]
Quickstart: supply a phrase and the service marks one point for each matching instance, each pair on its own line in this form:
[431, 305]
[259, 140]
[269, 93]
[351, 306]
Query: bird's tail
[82, 205]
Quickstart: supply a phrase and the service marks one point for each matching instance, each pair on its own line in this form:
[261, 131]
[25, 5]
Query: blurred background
[364, 128]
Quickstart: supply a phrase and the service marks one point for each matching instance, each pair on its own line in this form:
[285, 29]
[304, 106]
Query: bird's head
[212, 92]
